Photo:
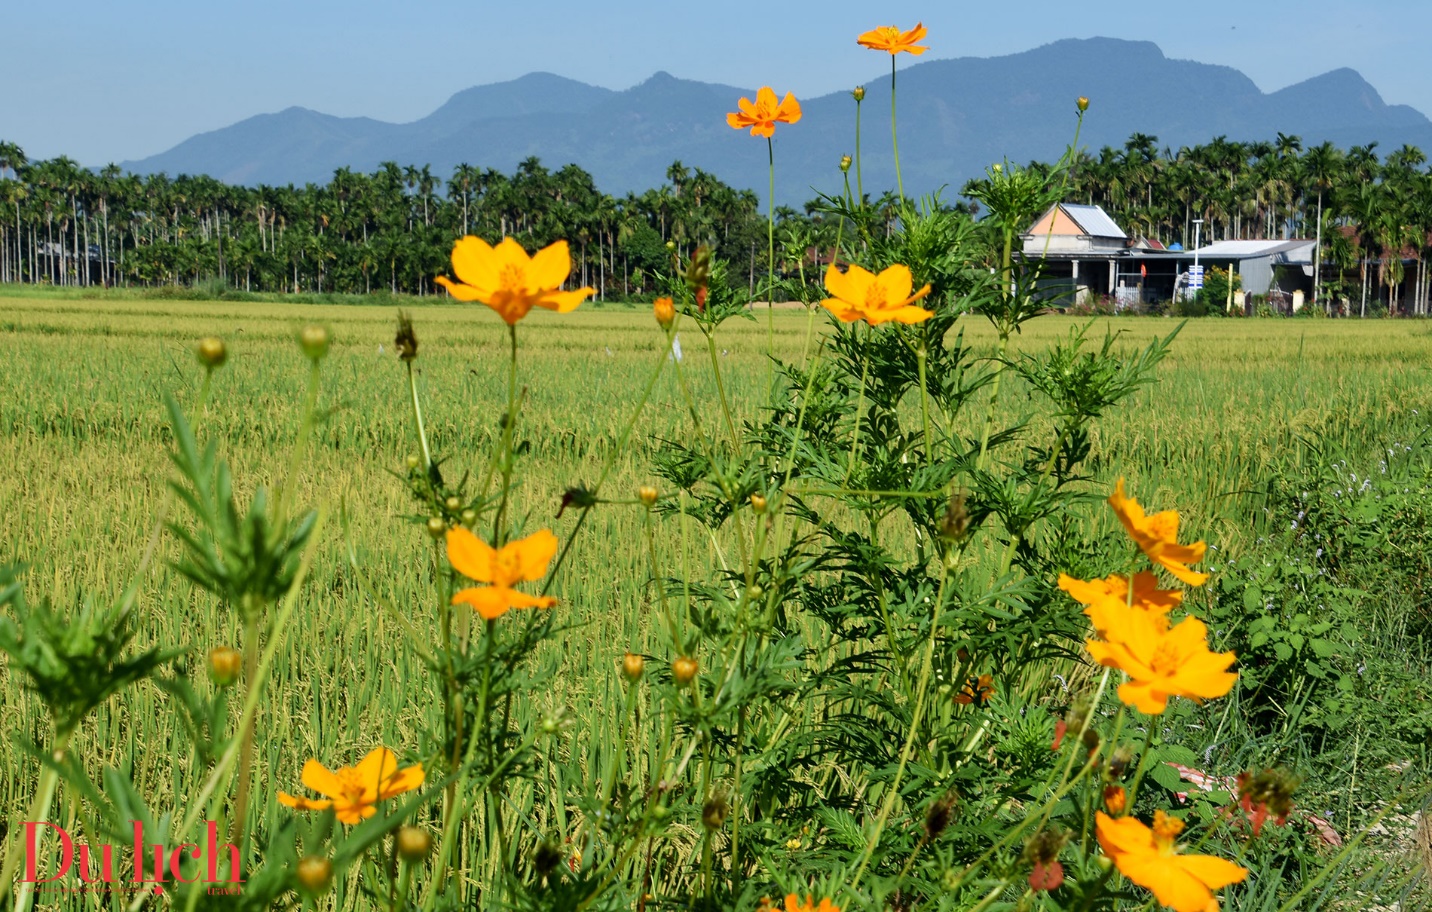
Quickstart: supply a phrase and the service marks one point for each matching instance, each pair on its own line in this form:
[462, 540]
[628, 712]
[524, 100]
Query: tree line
[392, 230]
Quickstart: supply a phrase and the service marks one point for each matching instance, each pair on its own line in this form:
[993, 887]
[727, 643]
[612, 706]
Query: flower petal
[457, 290]
[1214, 872]
[491, 602]
[374, 770]
[896, 282]
[470, 555]
[321, 779]
[550, 266]
[534, 553]
[565, 301]
[474, 264]
[405, 780]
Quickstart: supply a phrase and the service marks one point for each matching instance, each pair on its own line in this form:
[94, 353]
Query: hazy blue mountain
[956, 117]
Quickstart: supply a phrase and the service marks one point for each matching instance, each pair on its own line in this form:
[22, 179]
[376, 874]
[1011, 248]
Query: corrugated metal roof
[1242, 249]
[1094, 220]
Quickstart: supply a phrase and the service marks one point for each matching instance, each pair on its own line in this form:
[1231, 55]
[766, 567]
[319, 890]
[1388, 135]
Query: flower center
[874, 296]
[353, 786]
[1166, 662]
[889, 32]
[506, 568]
[512, 277]
[1166, 830]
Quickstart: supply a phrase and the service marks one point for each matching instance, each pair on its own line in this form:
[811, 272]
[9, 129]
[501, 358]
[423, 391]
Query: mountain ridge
[957, 115]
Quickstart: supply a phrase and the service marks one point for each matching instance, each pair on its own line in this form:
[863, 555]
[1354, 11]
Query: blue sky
[104, 81]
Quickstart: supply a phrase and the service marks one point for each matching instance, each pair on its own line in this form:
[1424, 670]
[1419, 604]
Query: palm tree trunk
[1318, 254]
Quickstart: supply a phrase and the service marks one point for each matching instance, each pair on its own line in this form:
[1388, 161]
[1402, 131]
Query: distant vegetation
[392, 230]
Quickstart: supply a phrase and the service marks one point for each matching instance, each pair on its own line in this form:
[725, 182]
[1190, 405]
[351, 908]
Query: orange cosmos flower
[353, 791]
[506, 279]
[1161, 661]
[795, 904]
[763, 116]
[1148, 857]
[976, 690]
[500, 568]
[876, 299]
[890, 38]
[1095, 594]
[1157, 537]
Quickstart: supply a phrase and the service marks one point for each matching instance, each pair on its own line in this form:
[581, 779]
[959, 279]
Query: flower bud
[938, 815]
[1115, 799]
[670, 245]
[414, 461]
[665, 312]
[1082, 104]
[713, 812]
[452, 503]
[212, 352]
[684, 670]
[1119, 761]
[647, 494]
[437, 528]
[845, 164]
[314, 342]
[469, 517]
[406, 341]
[632, 666]
[955, 524]
[1091, 739]
[413, 844]
[997, 168]
[315, 874]
[754, 592]
[758, 503]
[224, 665]
[858, 94]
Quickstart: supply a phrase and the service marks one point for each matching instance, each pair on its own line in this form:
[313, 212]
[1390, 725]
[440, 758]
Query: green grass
[83, 442]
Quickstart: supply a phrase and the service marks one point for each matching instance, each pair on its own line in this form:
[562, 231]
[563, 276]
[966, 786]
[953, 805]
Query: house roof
[1239, 250]
[1094, 220]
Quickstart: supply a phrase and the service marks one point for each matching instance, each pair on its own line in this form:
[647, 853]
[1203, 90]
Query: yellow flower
[665, 311]
[763, 116]
[506, 279]
[1161, 661]
[795, 904]
[1157, 537]
[353, 791]
[890, 38]
[861, 295]
[1095, 594]
[501, 568]
[1148, 857]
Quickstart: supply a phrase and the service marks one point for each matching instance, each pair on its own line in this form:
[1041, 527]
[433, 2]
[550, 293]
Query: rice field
[83, 442]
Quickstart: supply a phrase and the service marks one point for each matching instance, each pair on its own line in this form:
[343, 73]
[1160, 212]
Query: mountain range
[956, 117]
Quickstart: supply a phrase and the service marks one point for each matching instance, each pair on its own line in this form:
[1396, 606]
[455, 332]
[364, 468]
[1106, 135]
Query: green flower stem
[509, 431]
[1143, 754]
[39, 813]
[721, 392]
[771, 258]
[239, 833]
[894, 141]
[418, 418]
[859, 184]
